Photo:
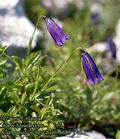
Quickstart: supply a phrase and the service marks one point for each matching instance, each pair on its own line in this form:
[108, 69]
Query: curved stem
[31, 38]
[60, 68]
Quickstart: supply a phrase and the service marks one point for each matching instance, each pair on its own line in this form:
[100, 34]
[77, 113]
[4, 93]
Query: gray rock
[15, 27]
[55, 6]
[95, 6]
[62, 6]
[77, 134]
[95, 135]
[22, 137]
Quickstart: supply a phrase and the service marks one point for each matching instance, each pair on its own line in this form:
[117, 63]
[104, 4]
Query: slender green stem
[31, 39]
[60, 68]
[117, 71]
[4, 49]
[37, 82]
[11, 59]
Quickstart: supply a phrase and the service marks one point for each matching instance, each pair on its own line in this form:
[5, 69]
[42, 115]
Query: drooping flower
[112, 47]
[57, 33]
[93, 76]
[95, 18]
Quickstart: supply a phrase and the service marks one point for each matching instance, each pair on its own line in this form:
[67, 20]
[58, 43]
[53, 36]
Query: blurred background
[92, 24]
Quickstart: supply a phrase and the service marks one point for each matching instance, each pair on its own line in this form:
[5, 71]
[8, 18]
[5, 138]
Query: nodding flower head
[112, 47]
[93, 76]
[95, 18]
[57, 33]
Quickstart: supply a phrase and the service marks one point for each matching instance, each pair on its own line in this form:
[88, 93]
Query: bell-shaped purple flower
[56, 32]
[112, 47]
[95, 18]
[93, 75]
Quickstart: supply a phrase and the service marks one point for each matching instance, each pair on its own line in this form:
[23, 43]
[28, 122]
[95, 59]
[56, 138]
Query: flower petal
[112, 47]
[56, 32]
[93, 75]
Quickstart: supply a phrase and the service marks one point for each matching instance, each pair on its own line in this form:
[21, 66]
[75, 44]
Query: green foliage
[118, 135]
[62, 100]
[51, 88]
[22, 92]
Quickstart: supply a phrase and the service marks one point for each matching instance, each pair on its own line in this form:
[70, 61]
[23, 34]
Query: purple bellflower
[112, 47]
[95, 18]
[93, 75]
[57, 33]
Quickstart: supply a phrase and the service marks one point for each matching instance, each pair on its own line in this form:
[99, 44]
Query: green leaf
[14, 97]
[12, 111]
[118, 135]
[3, 62]
[18, 61]
[23, 98]
[52, 88]
[88, 96]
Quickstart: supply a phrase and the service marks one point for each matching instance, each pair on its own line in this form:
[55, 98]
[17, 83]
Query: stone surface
[62, 6]
[22, 137]
[95, 6]
[95, 135]
[15, 27]
[55, 6]
[77, 134]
